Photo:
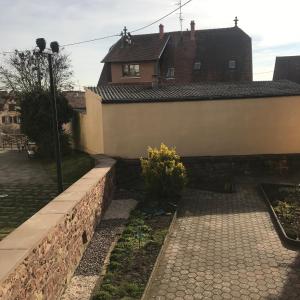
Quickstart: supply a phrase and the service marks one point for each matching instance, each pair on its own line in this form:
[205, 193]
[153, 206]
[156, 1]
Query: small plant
[103, 295]
[288, 213]
[164, 174]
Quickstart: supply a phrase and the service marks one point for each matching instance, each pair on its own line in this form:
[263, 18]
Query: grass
[133, 257]
[74, 166]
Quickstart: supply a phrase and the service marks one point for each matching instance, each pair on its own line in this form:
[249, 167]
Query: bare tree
[23, 72]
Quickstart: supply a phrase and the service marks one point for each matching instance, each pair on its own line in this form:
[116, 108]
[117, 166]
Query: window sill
[130, 77]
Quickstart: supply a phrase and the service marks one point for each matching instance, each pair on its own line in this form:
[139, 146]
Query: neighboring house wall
[10, 118]
[89, 130]
[200, 128]
[147, 69]
[287, 68]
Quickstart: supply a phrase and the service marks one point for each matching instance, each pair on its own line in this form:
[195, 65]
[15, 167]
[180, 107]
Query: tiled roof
[144, 47]
[287, 68]
[76, 99]
[209, 91]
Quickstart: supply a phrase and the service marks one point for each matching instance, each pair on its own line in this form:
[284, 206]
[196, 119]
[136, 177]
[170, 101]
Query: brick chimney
[192, 30]
[161, 31]
[155, 81]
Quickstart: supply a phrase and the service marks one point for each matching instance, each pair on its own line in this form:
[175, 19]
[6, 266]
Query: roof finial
[236, 21]
[125, 30]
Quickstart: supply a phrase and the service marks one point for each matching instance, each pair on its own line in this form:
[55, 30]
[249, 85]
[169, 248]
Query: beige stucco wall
[90, 124]
[146, 72]
[196, 128]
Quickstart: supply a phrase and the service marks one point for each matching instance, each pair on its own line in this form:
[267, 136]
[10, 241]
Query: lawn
[21, 201]
[74, 166]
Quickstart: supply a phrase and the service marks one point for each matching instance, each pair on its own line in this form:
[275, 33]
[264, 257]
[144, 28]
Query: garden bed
[283, 201]
[133, 257]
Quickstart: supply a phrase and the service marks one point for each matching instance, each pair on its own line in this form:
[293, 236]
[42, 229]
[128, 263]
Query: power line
[141, 28]
[91, 40]
[114, 35]
[170, 13]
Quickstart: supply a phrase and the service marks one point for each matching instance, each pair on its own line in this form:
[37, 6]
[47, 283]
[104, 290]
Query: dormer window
[197, 65]
[170, 73]
[232, 64]
[131, 70]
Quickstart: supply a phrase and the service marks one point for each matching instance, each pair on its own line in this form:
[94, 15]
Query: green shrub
[102, 295]
[164, 174]
[132, 289]
[114, 266]
[109, 288]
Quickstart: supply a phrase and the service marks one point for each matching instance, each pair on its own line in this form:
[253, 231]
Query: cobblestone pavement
[224, 246]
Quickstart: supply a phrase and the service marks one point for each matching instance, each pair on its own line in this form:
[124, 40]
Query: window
[6, 119]
[171, 73]
[197, 65]
[131, 70]
[11, 107]
[232, 64]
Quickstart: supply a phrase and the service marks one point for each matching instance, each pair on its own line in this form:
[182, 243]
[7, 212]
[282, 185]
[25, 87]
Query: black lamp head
[41, 43]
[54, 47]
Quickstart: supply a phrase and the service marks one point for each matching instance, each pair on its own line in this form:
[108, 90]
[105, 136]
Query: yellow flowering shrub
[164, 174]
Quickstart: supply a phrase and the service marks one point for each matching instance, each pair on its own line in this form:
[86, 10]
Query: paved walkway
[224, 246]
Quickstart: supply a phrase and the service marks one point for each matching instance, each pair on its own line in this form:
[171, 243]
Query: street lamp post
[41, 43]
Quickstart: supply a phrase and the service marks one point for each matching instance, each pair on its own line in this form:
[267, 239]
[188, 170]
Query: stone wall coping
[15, 247]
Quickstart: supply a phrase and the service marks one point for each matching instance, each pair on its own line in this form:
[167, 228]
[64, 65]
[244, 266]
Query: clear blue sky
[273, 26]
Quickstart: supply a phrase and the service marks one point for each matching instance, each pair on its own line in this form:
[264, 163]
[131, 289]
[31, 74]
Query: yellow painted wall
[196, 128]
[91, 129]
[146, 72]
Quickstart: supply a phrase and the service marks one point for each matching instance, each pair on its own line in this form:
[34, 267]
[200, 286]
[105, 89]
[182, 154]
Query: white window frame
[170, 73]
[197, 65]
[232, 64]
[131, 72]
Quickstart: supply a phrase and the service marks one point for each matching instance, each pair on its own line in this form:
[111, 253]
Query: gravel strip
[87, 273]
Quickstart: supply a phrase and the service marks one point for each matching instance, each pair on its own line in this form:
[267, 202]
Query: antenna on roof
[180, 14]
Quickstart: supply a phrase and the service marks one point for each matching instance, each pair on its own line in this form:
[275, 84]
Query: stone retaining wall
[38, 259]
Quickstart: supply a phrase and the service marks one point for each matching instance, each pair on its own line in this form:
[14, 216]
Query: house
[10, 118]
[287, 68]
[76, 99]
[192, 56]
[207, 119]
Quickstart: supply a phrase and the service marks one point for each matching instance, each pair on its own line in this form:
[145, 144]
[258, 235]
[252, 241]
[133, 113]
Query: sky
[272, 25]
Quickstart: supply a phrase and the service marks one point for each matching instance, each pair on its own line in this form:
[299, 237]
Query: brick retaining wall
[40, 256]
